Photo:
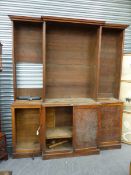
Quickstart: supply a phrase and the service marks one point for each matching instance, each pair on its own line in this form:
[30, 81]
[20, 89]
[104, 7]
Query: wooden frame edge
[24, 18]
[73, 20]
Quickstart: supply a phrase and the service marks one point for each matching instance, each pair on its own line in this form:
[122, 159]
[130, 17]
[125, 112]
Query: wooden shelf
[59, 132]
[109, 100]
[27, 103]
[68, 101]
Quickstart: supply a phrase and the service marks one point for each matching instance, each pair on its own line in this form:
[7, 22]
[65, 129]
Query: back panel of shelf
[71, 60]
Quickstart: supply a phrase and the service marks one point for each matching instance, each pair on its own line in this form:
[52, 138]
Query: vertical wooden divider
[98, 51]
[42, 129]
[13, 59]
[13, 129]
[73, 129]
[119, 64]
[44, 59]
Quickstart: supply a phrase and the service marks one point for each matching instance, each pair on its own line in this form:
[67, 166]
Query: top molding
[24, 18]
[72, 20]
[68, 20]
[118, 26]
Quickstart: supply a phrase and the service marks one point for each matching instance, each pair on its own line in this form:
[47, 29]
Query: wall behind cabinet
[117, 11]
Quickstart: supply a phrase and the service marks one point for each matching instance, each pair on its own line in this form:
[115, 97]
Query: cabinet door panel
[110, 123]
[85, 127]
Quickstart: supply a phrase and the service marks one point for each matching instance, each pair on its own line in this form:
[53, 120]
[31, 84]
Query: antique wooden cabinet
[74, 67]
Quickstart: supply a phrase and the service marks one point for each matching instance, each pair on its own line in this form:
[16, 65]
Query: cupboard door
[85, 123]
[110, 132]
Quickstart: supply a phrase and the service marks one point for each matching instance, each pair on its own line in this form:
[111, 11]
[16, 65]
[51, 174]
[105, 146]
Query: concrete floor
[110, 162]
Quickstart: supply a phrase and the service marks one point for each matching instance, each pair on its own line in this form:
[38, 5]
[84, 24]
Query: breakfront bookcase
[74, 67]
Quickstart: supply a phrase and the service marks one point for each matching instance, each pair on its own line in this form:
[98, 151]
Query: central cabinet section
[70, 130]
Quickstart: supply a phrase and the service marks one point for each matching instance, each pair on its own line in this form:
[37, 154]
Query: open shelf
[110, 62]
[108, 100]
[28, 58]
[59, 123]
[68, 101]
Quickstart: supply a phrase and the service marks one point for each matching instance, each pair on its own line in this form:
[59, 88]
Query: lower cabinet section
[65, 131]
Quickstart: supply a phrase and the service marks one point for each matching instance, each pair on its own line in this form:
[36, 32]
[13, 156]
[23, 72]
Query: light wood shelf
[59, 132]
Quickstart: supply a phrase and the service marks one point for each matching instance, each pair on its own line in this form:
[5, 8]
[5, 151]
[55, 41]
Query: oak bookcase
[75, 68]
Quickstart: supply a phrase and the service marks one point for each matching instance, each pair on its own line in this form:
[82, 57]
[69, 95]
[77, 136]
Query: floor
[111, 162]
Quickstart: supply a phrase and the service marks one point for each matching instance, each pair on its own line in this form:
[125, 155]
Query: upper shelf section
[57, 57]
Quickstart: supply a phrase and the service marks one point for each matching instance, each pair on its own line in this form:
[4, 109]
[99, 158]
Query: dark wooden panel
[85, 127]
[108, 135]
[71, 60]
[110, 62]
[64, 116]
[28, 42]
[29, 92]
[27, 123]
[66, 91]
[66, 75]
[110, 123]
